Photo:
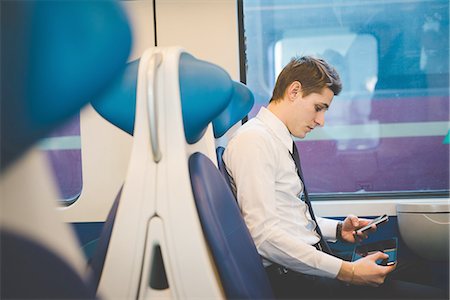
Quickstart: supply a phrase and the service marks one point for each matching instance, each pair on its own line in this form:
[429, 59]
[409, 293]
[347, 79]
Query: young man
[260, 159]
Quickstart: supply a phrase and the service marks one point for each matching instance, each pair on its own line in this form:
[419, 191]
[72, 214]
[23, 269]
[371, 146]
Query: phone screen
[387, 246]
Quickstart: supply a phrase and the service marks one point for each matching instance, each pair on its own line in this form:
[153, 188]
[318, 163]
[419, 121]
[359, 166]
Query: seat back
[238, 263]
[166, 255]
[56, 56]
[157, 219]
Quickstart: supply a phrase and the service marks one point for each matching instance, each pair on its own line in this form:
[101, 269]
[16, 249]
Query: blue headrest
[237, 260]
[118, 103]
[56, 56]
[241, 103]
[205, 90]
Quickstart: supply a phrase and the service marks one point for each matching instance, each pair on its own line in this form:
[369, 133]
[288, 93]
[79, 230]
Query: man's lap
[292, 285]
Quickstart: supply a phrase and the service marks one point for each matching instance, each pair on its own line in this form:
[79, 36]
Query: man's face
[309, 112]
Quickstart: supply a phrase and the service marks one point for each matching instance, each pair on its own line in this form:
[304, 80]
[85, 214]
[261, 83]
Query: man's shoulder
[252, 136]
[251, 142]
[253, 130]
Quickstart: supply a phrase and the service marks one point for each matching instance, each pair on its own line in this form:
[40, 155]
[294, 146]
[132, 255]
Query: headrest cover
[118, 104]
[56, 56]
[241, 103]
[205, 91]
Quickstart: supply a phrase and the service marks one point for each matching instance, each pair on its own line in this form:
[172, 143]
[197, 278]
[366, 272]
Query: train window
[63, 149]
[387, 133]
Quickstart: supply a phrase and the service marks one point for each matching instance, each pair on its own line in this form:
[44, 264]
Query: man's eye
[318, 108]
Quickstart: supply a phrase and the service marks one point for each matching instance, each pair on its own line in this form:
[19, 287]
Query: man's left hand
[349, 227]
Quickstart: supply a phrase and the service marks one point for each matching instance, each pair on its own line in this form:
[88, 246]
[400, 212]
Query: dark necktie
[296, 157]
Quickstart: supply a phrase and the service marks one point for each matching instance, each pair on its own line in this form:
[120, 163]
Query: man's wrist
[347, 272]
[339, 231]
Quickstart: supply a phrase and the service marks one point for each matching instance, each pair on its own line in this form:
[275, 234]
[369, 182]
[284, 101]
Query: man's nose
[320, 119]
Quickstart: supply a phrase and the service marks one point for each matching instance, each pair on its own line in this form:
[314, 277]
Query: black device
[387, 246]
[376, 221]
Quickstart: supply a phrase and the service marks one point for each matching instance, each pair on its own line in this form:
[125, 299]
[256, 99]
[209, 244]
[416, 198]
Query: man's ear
[294, 90]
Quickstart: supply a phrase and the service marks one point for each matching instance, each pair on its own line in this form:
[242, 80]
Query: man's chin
[301, 135]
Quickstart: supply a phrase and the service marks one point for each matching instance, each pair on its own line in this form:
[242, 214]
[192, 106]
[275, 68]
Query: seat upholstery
[238, 263]
[55, 57]
[118, 104]
[241, 103]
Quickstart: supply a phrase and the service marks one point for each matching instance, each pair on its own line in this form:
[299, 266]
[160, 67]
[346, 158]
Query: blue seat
[236, 258]
[158, 163]
[234, 255]
[237, 261]
[240, 104]
[55, 57]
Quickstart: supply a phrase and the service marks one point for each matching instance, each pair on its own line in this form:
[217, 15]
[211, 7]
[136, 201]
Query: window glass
[388, 131]
[63, 149]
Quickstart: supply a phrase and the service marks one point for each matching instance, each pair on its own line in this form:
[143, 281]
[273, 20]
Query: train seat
[237, 260]
[118, 106]
[166, 255]
[238, 264]
[156, 225]
[234, 252]
[40, 257]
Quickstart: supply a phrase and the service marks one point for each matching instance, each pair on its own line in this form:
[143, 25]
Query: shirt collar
[276, 126]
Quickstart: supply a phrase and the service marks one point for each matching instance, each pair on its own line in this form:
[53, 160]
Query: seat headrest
[118, 104]
[241, 103]
[205, 91]
[56, 56]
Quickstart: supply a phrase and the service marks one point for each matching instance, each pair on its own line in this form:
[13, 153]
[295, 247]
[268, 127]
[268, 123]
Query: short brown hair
[313, 73]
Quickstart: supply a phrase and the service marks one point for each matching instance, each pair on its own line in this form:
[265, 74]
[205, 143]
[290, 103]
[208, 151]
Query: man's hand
[349, 227]
[365, 271]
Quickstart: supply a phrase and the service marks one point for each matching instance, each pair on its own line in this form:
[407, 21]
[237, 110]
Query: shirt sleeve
[252, 161]
[328, 228]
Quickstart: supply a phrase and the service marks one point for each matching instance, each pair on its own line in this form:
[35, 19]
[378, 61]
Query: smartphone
[389, 247]
[376, 221]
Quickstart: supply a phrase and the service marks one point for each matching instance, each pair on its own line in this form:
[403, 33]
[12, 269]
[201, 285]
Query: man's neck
[279, 109]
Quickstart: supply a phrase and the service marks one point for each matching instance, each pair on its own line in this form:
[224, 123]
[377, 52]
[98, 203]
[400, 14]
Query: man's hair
[313, 73]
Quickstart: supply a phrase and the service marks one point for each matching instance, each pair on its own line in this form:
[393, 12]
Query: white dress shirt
[268, 190]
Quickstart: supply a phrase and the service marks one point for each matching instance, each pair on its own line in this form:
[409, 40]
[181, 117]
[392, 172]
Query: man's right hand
[365, 271]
